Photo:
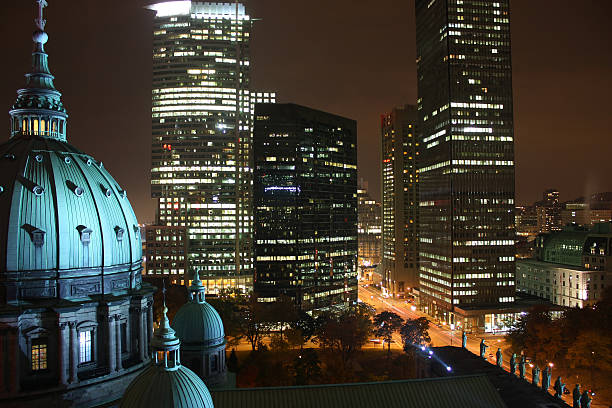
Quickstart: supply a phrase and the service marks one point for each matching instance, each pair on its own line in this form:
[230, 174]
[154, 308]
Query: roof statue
[546, 377]
[522, 367]
[585, 399]
[576, 396]
[166, 383]
[513, 364]
[483, 349]
[559, 387]
[535, 375]
[499, 358]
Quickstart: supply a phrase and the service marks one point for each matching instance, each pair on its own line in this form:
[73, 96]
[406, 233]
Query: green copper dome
[69, 230]
[166, 383]
[197, 322]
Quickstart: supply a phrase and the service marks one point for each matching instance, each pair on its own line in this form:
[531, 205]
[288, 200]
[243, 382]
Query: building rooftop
[471, 391]
[515, 393]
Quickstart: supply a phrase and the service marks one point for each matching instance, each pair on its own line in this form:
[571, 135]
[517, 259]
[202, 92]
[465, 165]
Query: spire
[165, 344]
[196, 289]
[38, 110]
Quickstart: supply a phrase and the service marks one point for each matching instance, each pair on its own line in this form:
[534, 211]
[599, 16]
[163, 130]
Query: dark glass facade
[400, 185]
[466, 166]
[201, 173]
[305, 189]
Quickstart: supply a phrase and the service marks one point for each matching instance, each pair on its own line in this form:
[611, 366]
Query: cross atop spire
[40, 21]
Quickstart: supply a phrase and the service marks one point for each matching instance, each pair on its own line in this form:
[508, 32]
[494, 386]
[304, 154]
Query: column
[3, 358]
[15, 357]
[64, 356]
[141, 334]
[150, 326]
[74, 353]
[111, 351]
[118, 341]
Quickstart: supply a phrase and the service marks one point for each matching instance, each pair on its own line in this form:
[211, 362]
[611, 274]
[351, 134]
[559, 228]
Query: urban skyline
[268, 192]
[545, 55]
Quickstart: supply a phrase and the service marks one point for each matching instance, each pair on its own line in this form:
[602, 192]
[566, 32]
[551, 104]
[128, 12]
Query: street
[441, 336]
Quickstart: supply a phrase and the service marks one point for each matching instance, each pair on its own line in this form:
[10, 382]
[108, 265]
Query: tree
[385, 324]
[536, 334]
[415, 333]
[283, 312]
[306, 367]
[252, 322]
[344, 331]
[228, 304]
[592, 349]
[302, 329]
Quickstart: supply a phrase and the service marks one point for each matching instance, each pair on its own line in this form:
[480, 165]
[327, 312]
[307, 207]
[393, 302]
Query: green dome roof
[197, 322]
[179, 388]
[166, 383]
[67, 222]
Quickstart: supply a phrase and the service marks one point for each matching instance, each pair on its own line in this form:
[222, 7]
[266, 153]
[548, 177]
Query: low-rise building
[571, 267]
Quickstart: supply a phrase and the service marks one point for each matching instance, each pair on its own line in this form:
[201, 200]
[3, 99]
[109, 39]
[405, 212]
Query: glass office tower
[466, 164]
[305, 206]
[201, 173]
[400, 189]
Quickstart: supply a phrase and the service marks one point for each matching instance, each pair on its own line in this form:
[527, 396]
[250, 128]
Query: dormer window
[119, 231]
[85, 234]
[38, 237]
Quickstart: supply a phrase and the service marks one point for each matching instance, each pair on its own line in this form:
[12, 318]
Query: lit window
[85, 346]
[39, 354]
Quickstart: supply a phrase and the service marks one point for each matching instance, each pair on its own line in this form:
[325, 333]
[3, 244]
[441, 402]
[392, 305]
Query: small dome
[166, 383]
[180, 388]
[197, 322]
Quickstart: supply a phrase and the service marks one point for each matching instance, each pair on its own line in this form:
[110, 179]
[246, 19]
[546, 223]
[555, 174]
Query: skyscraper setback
[466, 164]
[201, 151]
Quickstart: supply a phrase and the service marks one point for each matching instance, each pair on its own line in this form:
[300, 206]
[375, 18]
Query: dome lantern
[38, 110]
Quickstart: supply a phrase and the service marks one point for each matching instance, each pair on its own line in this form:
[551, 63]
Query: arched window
[35, 126]
[24, 126]
[43, 126]
[54, 126]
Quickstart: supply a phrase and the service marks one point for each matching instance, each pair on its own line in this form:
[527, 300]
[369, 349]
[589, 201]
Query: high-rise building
[549, 211]
[400, 205]
[466, 166]
[369, 229]
[305, 188]
[201, 174]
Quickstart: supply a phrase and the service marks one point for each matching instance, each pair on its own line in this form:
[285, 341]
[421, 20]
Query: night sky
[355, 58]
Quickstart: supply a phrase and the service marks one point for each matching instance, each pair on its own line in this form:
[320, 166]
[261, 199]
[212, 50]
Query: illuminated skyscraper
[369, 228]
[201, 173]
[466, 166]
[400, 189]
[305, 206]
